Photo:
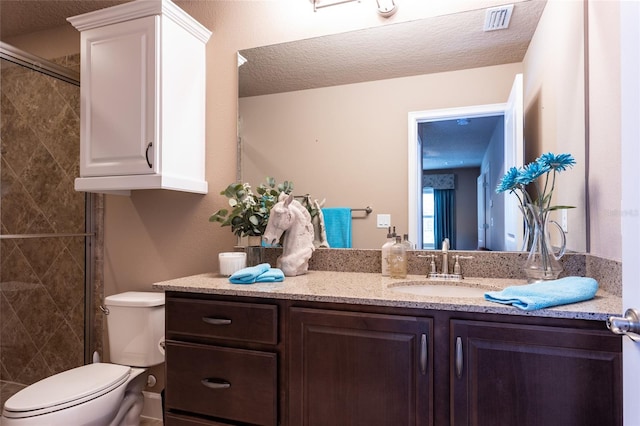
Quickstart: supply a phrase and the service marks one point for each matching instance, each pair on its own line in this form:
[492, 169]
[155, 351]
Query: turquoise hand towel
[273, 275]
[249, 275]
[544, 294]
[337, 222]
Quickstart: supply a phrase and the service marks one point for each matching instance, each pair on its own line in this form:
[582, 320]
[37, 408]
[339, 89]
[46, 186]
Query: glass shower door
[42, 228]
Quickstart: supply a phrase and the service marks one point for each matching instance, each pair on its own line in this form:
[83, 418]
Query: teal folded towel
[337, 223]
[249, 275]
[544, 294]
[273, 275]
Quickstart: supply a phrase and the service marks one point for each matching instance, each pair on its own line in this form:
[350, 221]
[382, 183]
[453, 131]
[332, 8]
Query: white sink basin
[441, 289]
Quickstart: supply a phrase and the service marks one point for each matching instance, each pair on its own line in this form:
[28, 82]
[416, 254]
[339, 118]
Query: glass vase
[542, 261]
[527, 237]
[254, 250]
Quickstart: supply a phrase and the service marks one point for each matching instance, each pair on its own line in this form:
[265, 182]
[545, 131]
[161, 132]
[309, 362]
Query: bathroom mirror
[330, 113]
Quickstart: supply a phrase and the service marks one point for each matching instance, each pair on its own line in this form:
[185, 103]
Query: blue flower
[531, 172]
[558, 162]
[509, 180]
[540, 193]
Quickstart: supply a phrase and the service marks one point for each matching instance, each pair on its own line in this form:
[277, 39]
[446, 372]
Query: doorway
[454, 154]
[501, 220]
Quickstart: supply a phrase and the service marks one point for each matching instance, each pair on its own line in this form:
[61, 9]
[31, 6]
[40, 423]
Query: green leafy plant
[249, 211]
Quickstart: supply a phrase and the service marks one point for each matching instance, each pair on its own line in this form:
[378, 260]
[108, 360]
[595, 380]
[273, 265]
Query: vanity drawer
[171, 419]
[235, 321]
[232, 384]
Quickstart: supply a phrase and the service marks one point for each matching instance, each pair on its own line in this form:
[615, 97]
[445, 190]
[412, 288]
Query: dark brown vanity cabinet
[517, 374]
[351, 368]
[222, 362]
[253, 361]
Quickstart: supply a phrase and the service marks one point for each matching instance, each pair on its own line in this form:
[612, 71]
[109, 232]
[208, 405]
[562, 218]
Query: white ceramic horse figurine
[297, 247]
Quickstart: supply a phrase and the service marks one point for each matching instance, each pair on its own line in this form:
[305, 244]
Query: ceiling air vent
[497, 18]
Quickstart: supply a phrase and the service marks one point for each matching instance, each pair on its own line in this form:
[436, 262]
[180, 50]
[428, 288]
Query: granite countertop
[359, 288]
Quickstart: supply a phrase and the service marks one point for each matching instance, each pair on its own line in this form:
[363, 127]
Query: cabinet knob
[146, 154]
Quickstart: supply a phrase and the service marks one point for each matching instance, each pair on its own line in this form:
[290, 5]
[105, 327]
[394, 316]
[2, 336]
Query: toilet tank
[135, 326]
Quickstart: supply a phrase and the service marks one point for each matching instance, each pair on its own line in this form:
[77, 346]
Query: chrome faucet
[444, 273]
[445, 256]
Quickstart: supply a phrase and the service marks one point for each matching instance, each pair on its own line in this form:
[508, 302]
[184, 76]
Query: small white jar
[231, 262]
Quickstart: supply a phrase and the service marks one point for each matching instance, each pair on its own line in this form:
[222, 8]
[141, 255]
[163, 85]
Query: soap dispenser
[398, 259]
[386, 248]
[456, 267]
[408, 244]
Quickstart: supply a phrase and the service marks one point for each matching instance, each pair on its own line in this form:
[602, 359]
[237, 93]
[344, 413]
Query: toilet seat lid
[70, 386]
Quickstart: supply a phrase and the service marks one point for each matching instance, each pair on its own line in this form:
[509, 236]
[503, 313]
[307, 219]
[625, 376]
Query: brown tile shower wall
[41, 279]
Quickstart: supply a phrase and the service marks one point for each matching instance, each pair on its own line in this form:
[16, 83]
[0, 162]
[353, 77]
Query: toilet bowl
[100, 394]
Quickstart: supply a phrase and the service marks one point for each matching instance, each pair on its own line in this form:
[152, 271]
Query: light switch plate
[384, 220]
[564, 220]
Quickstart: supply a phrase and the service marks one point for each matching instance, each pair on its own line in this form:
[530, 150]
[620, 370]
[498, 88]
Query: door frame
[415, 153]
[630, 203]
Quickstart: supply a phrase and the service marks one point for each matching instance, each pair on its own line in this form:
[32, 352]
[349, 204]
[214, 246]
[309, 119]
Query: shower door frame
[93, 202]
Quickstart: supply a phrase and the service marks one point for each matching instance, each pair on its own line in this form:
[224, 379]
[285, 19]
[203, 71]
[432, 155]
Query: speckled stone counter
[487, 264]
[359, 288]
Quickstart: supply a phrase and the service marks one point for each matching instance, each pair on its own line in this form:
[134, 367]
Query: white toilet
[100, 394]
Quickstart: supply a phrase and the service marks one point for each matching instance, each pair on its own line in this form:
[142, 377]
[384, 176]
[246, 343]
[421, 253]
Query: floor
[145, 421]
[7, 389]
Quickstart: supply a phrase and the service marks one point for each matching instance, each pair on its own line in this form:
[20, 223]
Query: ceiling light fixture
[387, 8]
[319, 4]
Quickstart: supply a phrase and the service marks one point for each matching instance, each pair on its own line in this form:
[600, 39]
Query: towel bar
[367, 210]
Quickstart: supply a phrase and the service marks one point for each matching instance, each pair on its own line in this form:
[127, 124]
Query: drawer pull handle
[216, 321]
[215, 383]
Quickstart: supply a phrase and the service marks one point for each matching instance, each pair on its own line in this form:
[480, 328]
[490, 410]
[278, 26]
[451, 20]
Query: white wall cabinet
[142, 89]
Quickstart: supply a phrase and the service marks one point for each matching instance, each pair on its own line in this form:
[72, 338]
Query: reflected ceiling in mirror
[431, 45]
[457, 143]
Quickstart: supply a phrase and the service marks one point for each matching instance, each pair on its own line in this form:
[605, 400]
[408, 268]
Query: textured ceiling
[443, 43]
[446, 144]
[438, 44]
[26, 16]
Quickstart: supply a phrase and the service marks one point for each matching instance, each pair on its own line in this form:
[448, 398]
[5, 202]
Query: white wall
[605, 180]
[492, 163]
[554, 105]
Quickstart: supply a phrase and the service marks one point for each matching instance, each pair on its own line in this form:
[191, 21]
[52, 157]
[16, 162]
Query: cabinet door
[349, 368]
[503, 374]
[118, 94]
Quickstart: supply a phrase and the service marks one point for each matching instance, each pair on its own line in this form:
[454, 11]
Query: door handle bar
[459, 357]
[629, 325]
